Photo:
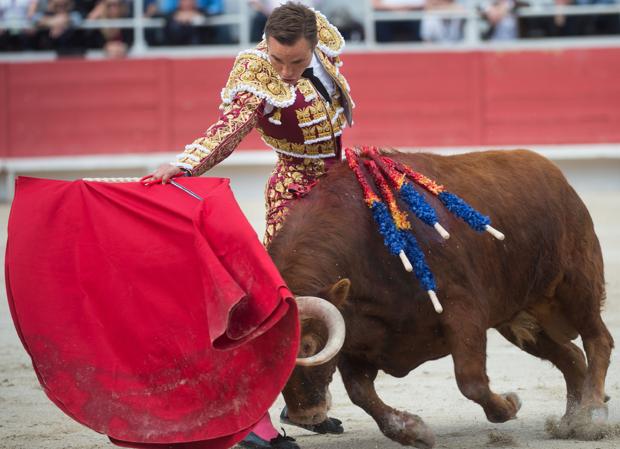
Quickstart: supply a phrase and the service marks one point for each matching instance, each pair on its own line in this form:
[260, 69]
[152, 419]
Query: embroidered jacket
[292, 119]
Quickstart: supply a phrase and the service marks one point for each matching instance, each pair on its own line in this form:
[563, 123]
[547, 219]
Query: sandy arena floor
[28, 420]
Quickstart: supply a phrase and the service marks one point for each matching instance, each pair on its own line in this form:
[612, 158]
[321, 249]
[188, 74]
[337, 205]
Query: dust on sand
[28, 420]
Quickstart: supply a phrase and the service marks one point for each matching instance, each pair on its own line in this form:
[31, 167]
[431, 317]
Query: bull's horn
[325, 311]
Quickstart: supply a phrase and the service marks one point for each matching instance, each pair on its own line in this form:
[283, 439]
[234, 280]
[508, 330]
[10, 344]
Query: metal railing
[240, 21]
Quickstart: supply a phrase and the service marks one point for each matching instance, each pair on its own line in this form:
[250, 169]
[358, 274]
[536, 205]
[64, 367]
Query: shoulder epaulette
[253, 73]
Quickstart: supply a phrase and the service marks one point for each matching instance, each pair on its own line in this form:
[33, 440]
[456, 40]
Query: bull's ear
[339, 293]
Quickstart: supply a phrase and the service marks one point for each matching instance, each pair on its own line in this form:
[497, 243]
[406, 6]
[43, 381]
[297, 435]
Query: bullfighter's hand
[162, 174]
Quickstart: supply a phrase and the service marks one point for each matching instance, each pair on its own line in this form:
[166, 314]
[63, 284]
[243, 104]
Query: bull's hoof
[585, 423]
[503, 408]
[599, 415]
[408, 430]
[514, 399]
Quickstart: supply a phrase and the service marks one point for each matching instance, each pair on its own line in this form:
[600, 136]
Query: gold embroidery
[318, 131]
[276, 117]
[288, 169]
[252, 80]
[314, 112]
[339, 80]
[324, 148]
[236, 121]
[313, 123]
[262, 46]
[329, 36]
[333, 72]
[252, 73]
[341, 121]
[307, 90]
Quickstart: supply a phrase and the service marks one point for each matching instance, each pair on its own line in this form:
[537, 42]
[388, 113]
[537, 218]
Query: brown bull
[540, 288]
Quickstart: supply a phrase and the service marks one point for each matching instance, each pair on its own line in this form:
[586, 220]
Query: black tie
[316, 82]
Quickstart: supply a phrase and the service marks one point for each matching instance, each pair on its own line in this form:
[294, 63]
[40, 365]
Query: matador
[303, 123]
[291, 90]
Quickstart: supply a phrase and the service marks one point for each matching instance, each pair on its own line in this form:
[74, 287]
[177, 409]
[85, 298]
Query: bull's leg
[568, 358]
[468, 341]
[402, 427]
[597, 343]
[581, 296]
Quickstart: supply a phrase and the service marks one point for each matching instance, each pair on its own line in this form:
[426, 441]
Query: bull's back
[504, 183]
[548, 228]
[331, 234]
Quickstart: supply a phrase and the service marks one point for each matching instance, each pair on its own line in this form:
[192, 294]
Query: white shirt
[321, 74]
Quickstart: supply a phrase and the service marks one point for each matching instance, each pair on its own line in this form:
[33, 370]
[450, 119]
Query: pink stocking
[264, 428]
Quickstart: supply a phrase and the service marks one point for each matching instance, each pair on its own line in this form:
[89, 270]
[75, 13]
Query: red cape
[150, 316]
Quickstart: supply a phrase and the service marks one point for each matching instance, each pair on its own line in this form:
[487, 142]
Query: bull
[540, 288]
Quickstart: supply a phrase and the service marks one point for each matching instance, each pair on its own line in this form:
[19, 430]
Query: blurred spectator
[263, 9]
[16, 28]
[560, 24]
[162, 8]
[502, 20]
[159, 8]
[84, 7]
[437, 28]
[218, 34]
[114, 41]
[599, 24]
[182, 25]
[56, 28]
[155, 9]
[342, 18]
[183, 22]
[398, 30]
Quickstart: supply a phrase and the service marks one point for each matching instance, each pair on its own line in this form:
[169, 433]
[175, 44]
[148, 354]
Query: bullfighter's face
[289, 60]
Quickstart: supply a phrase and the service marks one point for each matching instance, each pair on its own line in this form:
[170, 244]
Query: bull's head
[322, 335]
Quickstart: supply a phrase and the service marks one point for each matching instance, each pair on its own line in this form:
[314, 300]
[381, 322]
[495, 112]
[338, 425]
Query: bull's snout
[313, 415]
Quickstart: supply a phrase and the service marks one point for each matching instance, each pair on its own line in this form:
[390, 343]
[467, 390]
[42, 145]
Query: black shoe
[253, 441]
[330, 425]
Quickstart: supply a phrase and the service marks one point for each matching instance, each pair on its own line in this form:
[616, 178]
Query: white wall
[588, 172]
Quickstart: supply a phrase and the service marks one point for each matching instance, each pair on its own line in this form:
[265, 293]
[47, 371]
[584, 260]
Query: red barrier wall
[4, 111]
[403, 99]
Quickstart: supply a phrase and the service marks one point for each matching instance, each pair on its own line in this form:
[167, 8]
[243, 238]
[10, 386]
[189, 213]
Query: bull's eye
[308, 349]
[308, 346]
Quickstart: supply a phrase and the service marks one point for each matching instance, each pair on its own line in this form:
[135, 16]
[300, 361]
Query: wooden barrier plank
[549, 97]
[403, 99]
[4, 111]
[81, 107]
[413, 99]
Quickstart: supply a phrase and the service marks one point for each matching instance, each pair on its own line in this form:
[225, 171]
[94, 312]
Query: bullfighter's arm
[236, 121]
